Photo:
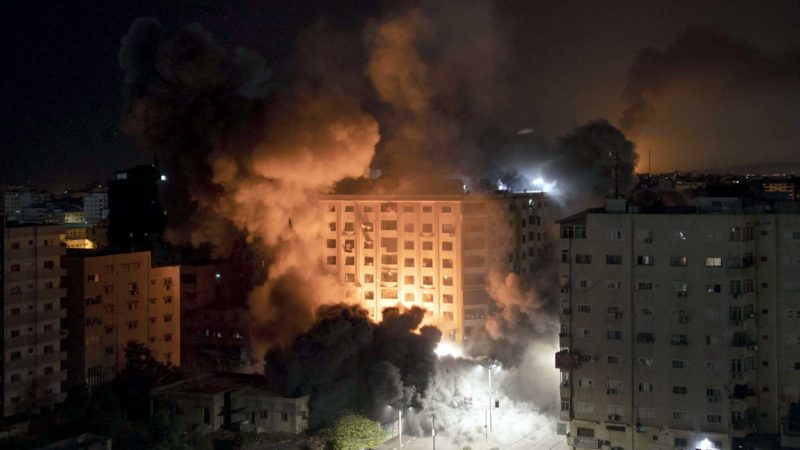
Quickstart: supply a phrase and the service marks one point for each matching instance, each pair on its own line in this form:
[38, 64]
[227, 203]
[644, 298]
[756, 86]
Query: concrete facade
[678, 328]
[432, 251]
[33, 359]
[114, 299]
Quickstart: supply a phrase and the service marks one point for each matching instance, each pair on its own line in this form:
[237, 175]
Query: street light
[492, 365]
[399, 423]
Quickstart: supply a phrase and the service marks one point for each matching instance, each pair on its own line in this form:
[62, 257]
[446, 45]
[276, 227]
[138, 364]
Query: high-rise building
[136, 217]
[432, 251]
[113, 299]
[32, 369]
[680, 327]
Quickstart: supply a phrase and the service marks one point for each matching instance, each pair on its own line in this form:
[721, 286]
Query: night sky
[62, 86]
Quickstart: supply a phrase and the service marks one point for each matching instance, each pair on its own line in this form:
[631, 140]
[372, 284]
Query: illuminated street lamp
[493, 365]
[399, 423]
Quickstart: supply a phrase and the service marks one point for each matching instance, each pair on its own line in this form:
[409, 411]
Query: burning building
[432, 251]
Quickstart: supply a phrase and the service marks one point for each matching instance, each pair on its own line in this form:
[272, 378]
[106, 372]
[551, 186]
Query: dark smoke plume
[347, 362]
[710, 60]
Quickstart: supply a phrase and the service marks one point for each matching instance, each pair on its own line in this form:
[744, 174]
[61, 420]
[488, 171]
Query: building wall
[115, 299]
[262, 412]
[695, 342]
[32, 369]
[431, 251]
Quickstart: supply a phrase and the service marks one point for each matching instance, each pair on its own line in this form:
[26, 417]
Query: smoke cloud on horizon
[704, 60]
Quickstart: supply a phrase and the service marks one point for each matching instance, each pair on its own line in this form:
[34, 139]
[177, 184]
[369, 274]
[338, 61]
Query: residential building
[113, 299]
[225, 401]
[679, 326]
[33, 358]
[432, 251]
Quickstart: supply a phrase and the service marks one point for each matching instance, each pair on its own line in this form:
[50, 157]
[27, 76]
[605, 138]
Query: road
[533, 441]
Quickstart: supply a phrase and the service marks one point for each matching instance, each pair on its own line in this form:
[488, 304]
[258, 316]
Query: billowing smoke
[347, 362]
[707, 60]
[244, 161]
[436, 68]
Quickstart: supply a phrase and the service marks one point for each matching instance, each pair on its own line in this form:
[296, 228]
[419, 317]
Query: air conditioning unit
[614, 417]
[641, 429]
[681, 294]
[611, 391]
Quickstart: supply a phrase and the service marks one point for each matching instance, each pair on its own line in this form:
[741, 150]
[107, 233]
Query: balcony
[742, 391]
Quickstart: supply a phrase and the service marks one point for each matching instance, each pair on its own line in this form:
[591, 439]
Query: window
[369, 278]
[349, 208]
[614, 359]
[645, 387]
[645, 338]
[447, 298]
[93, 278]
[389, 276]
[447, 281]
[447, 263]
[447, 246]
[713, 418]
[427, 245]
[583, 259]
[16, 268]
[645, 260]
[206, 415]
[427, 262]
[647, 413]
[390, 294]
[614, 259]
[678, 364]
[644, 285]
[678, 261]
[427, 209]
[447, 316]
[389, 259]
[679, 390]
[679, 339]
[408, 279]
[577, 231]
[585, 432]
[713, 288]
[49, 265]
[448, 228]
[330, 243]
[408, 245]
[349, 278]
[427, 228]
[585, 308]
[350, 261]
[133, 288]
[369, 295]
[614, 335]
[714, 261]
[427, 298]
[427, 280]
[330, 260]
[388, 225]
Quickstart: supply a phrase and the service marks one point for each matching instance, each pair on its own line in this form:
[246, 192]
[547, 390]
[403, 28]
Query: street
[540, 439]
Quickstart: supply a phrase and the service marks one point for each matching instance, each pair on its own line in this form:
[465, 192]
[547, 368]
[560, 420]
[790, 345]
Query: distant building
[95, 205]
[432, 251]
[15, 198]
[33, 358]
[136, 217]
[224, 401]
[113, 299]
[680, 326]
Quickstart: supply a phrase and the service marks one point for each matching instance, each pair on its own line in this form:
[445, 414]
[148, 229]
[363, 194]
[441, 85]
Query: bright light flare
[448, 349]
[705, 444]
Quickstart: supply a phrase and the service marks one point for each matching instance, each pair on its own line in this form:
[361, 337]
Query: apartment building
[32, 369]
[113, 299]
[680, 327]
[432, 251]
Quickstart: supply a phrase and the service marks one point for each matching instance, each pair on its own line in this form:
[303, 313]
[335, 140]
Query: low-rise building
[227, 401]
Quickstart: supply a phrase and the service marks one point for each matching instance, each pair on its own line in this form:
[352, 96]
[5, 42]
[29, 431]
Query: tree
[355, 432]
[142, 373]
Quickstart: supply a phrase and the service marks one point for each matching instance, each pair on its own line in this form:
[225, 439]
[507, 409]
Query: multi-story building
[432, 251]
[136, 217]
[680, 327]
[113, 299]
[32, 368]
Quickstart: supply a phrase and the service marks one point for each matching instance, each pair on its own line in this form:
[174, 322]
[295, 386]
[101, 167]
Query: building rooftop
[215, 383]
